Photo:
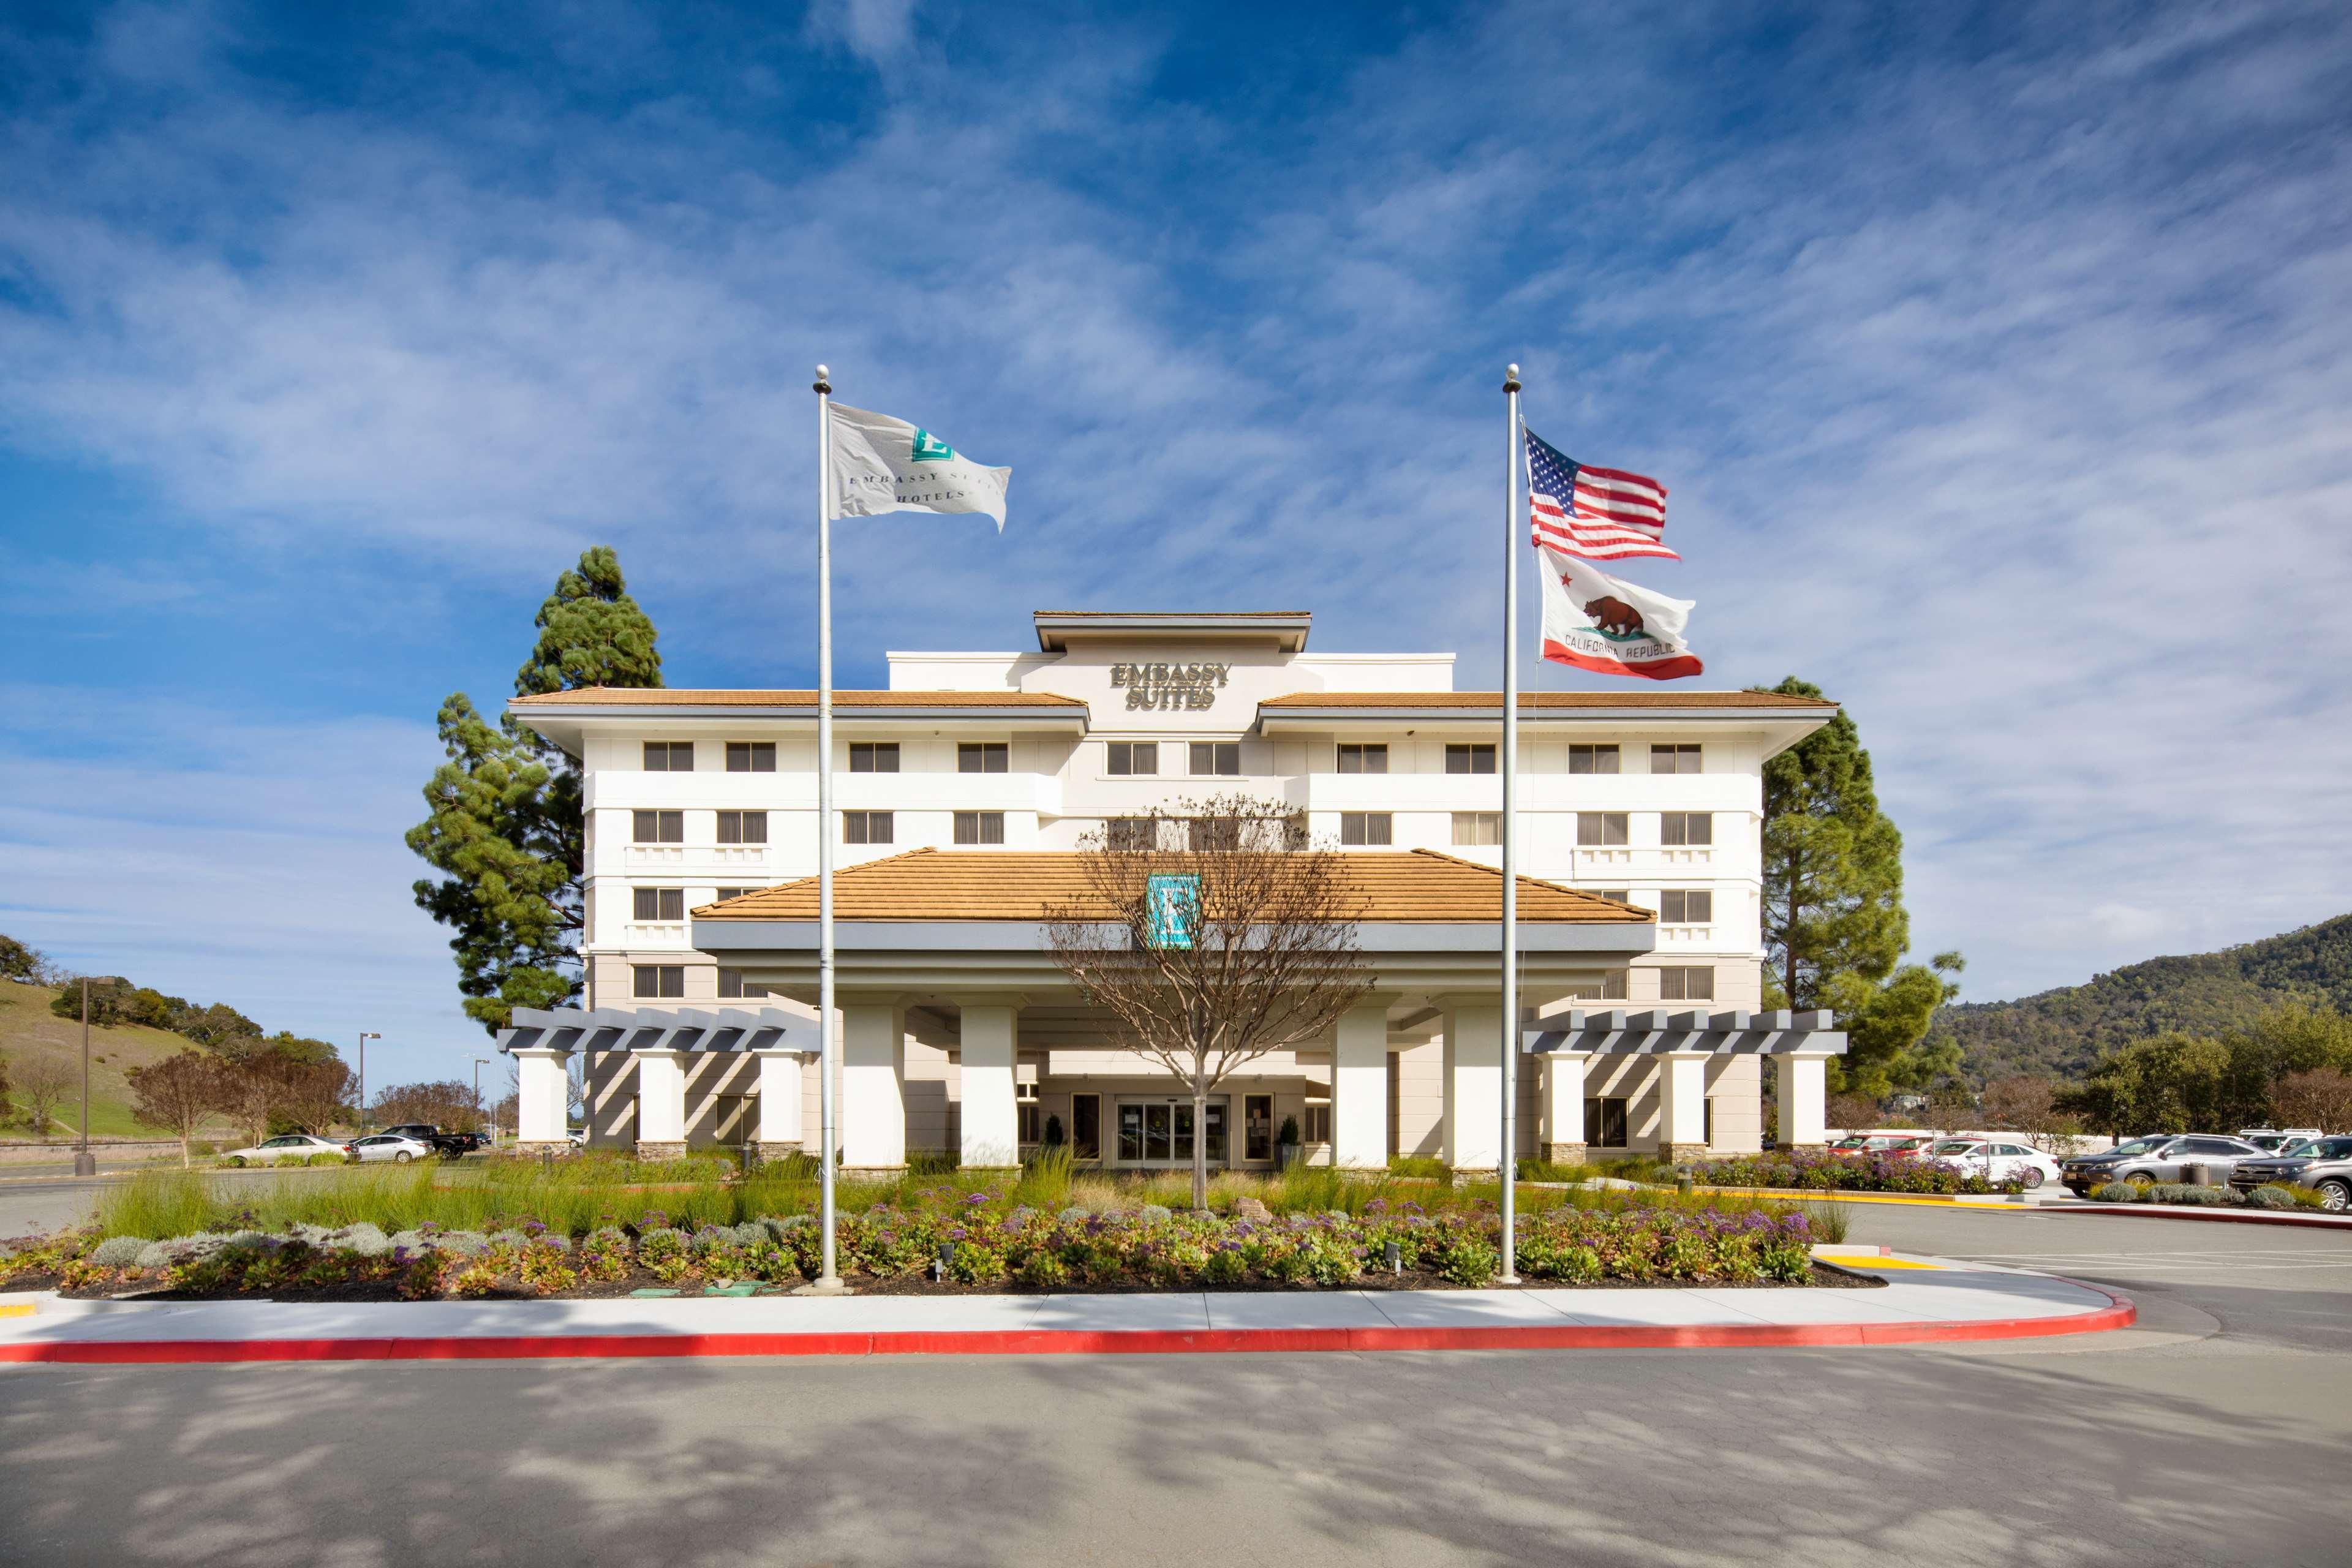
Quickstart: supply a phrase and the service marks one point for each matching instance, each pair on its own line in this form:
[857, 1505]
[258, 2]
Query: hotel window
[1216, 759]
[1591, 759]
[750, 756]
[1601, 828]
[732, 986]
[1316, 1120]
[1686, 985]
[1354, 758]
[660, 980]
[1673, 759]
[983, 757]
[1211, 835]
[980, 827]
[1477, 828]
[1622, 895]
[657, 826]
[1686, 827]
[723, 894]
[1031, 1114]
[1365, 827]
[660, 903]
[1613, 988]
[1131, 833]
[743, 827]
[872, 756]
[866, 827]
[1678, 907]
[1257, 1127]
[669, 756]
[1124, 757]
[1471, 759]
[1604, 1121]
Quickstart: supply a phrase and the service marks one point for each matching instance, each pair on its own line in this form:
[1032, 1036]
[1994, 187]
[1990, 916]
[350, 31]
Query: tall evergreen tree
[506, 829]
[1834, 927]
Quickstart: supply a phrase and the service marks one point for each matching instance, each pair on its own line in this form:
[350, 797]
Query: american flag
[1601, 514]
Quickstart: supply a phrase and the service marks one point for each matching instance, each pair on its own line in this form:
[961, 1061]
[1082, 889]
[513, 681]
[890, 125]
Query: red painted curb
[2118, 1313]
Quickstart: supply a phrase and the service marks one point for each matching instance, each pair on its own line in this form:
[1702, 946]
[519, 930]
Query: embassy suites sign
[1168, 686]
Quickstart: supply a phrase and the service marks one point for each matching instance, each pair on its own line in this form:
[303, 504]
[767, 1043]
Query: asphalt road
[2217, 1433]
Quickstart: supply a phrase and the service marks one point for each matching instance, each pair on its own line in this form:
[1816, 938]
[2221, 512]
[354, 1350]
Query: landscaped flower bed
[2266, 1198]
[1846, 1173]
[969, 1237]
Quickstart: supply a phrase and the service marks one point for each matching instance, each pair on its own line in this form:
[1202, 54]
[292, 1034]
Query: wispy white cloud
[1999, 372]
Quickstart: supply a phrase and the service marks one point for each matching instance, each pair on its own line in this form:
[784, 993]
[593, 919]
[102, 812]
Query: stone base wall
[534, 1150]
[660, 1149]
[1565, 1153]
[777, 1149]
[1677, 1153]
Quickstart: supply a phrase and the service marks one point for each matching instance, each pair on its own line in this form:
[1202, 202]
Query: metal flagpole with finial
[828, 1280]
[1510, 770]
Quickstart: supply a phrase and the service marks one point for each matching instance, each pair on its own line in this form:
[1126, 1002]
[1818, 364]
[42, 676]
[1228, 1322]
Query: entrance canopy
[1658, 1032]
[659, 1029]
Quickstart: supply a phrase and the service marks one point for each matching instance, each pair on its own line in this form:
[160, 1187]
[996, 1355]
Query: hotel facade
[964, 794]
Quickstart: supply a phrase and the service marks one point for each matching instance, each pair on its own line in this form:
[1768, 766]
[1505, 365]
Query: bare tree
[449, 1105]
[43, 1084]
[2030, 1105]
[256, 1088]
[177, 1094]
[316, 1093]
[1852, 1112]
[2319, 1097]
[1213, 935]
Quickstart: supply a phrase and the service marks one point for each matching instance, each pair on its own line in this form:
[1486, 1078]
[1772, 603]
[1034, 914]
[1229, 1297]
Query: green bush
[2271, 1197]
[2117, 1193]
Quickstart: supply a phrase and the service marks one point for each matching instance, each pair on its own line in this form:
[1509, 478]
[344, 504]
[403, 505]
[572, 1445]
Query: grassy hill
[28, 1033]
[2061, 1033]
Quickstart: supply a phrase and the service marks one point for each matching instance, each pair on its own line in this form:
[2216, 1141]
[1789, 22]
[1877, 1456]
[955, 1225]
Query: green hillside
[2061, 1033]
[29, 1033]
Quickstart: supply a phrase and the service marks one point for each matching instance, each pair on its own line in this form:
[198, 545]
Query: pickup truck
[448, 1145]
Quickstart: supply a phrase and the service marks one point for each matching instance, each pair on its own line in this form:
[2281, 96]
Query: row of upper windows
[1602, 829]
[1122, 759]
[1675, 983]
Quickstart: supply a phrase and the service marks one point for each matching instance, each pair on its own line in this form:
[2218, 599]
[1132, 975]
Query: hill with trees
[39, 1049]
[2061, 1033]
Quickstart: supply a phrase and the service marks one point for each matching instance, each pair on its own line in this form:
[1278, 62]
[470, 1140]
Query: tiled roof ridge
[1735, 697]
[780, 694]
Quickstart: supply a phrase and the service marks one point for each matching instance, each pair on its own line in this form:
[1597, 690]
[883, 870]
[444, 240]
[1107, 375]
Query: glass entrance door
[1161, 1132]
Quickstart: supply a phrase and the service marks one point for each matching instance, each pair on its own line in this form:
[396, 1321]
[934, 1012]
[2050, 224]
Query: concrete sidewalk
[1928, 1300]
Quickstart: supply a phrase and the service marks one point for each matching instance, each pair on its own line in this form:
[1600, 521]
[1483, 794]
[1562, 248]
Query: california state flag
[1594, 621]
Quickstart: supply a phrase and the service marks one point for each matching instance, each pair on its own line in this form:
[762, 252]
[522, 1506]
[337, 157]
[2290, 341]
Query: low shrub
[2271, 1197]
[1846, 1173]
[2117, 1193]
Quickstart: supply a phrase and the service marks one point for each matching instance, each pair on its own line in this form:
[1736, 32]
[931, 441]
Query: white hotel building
[963, 794]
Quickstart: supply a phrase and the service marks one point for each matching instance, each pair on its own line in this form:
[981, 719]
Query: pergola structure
[1683, 1043]
[662, 1046]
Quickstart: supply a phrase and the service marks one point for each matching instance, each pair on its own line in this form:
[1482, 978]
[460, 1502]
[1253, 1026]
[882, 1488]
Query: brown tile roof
[1548, 702]
[1412, 885]
[684, 697]
[1178, 614]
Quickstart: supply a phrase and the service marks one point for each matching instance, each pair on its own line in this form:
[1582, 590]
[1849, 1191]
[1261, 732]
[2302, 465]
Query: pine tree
[1834, 926]
[506, 829]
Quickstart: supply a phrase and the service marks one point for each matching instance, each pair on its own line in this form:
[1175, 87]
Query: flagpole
[828, 1280]
[1508, 1170]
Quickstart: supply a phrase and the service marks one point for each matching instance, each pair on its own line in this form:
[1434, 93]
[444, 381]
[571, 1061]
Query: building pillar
[661, 1104]
[542, 1100]
[1682, 1105]
[1563, 1136]
[991, 1116]
[779, 1132]
[1472, 1117]
[1359, 1088]
[874, 1087]
[1804, 1102]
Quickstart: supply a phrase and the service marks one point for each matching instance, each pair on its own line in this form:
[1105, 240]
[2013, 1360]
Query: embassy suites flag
[881, 464]
[1597, 622]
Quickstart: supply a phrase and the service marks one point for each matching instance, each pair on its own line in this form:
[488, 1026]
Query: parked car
[2322, 1164]
[448, 1145]
[2162, 1157]
[394, 1146]
[291, 1146]
[2272, 1141]
[1995, 1159]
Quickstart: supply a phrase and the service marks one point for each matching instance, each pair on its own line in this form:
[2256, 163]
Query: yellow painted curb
[15, 1309]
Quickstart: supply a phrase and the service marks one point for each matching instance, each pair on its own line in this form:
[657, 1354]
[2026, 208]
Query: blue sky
[1997, 358]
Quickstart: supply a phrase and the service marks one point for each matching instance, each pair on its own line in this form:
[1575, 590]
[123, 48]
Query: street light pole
[479, 1063]
[364, 1039]
[85, 1162]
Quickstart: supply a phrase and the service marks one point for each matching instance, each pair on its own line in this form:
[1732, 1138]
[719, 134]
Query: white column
[1804, 1093]
[1563, 1106]
[1681, 1104]
[1472, 1117]
[992, 1121]
[661, 1103]
[541, 1095]
[1359, 1088]
[872, 1086]
[779, 1102]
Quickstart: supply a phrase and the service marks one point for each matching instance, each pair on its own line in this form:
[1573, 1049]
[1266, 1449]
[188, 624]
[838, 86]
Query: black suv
[2143, 1162]
[2325, 1165]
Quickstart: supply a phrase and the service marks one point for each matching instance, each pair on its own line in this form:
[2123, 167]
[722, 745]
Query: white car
[292, 1146]
[1995, 1159]
[392, 1146]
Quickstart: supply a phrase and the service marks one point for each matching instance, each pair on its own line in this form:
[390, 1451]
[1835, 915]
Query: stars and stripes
[1600, 514]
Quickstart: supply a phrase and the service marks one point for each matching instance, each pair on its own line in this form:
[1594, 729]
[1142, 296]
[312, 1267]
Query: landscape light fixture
[1396, 1259]
[364, 1039]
